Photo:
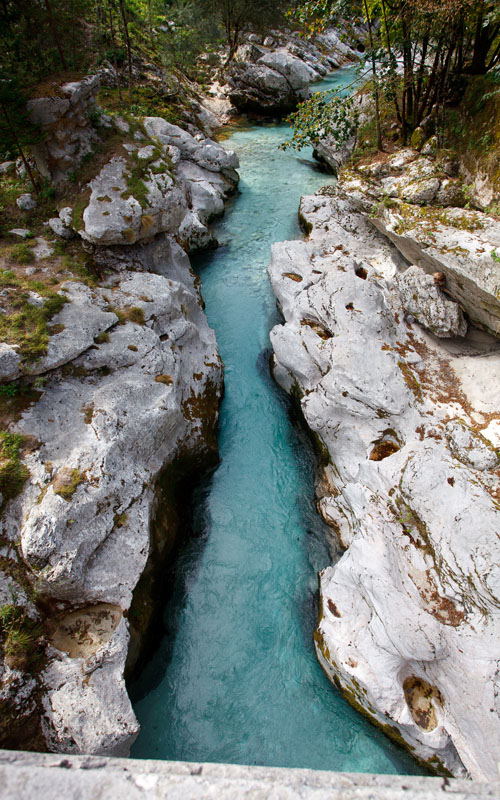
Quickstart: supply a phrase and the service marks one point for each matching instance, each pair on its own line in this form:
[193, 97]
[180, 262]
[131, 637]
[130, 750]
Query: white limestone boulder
[456, 242]
[422, 298]
[297, 73]
[115, 216]
[206, 153]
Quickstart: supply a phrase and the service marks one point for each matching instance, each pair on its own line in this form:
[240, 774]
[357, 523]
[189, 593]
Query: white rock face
[175, 184]
[421, 297]
[275, 76]
[458, 243]
[410, 614]
[69, 133]
[298, 74]
[26, 202]
[115, 216]
[131, 383]
[452, 240]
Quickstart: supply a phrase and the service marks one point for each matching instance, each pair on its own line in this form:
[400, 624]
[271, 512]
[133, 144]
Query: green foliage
[18, 635]
[9, 389]
[323, 115]
[13, 473]
[25, 324]
[38, 38]
[22, 253]
[435, 43]
[187, 34]
[234, 16]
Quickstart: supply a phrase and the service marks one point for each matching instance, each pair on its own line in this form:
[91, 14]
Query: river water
[236, 679]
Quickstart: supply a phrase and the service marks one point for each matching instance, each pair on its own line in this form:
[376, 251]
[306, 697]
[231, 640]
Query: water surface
[236, 679]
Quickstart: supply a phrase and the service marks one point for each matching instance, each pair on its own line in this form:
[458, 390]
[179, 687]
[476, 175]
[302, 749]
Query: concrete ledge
[41, 776]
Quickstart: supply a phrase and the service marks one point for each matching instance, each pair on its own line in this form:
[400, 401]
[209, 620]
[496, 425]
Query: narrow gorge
[249, 399]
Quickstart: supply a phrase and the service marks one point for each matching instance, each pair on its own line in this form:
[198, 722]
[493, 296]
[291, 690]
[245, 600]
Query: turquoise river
[235, 679]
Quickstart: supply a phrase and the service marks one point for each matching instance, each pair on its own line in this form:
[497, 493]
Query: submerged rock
[409, 616]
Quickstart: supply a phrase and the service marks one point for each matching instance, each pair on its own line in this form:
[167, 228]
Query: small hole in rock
[361, 273]
[383, 450]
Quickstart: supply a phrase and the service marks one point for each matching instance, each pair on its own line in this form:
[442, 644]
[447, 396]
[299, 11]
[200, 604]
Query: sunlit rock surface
[408, 432]
[132, 387]
[175, 184]
[418, 204]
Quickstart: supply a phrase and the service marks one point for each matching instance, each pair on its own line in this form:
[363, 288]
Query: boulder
[298, 74]
[9, 362]
[420, 191]
[456, 242]
[65, 121]
[422, 298]
[60, 229]
[26, 202]
[404, 195]
[206, 153]
[6, 167]
[115, 216]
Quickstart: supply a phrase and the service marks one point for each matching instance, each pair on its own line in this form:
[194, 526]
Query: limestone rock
[398, 194]
[470, 447]
[257, 87]
[421, 297]
[68, 132]
[60, 229]
[9, 362]
[26, 202]
[451, 193]
[298, 74]
[66, 216]
[119, 403]
[421, 191]
[206, 153]
[457, 243]
[24, 233]
[179, 192]
[6, 167]
[409, 615]
[115, 216]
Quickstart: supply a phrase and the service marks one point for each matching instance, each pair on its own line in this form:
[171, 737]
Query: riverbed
[236, 678]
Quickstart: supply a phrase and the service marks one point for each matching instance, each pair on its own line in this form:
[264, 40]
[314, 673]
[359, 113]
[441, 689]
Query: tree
[235, 15]
[16, 131]
[325, 114]
[435, 44]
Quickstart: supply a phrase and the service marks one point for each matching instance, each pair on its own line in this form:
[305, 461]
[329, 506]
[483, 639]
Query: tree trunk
[115, 64]
[18, 145]
[375, 80]
[54, 34]
[389, 50]
[129, 51]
